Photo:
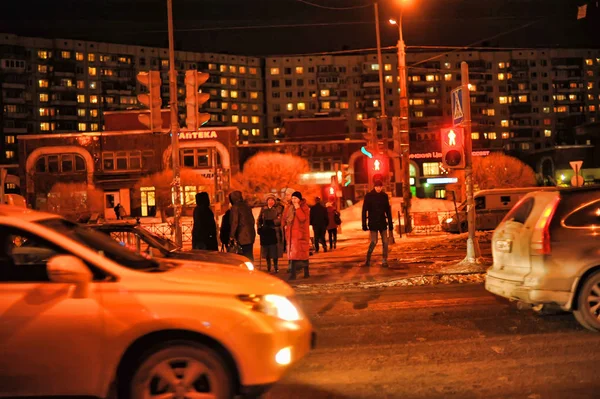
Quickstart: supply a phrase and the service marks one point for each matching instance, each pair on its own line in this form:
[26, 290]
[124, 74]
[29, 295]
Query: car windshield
[164, 242]
[103, 244]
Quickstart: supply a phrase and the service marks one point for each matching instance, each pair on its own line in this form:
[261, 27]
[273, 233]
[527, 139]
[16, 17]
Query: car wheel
[588, 303]
[181, 370]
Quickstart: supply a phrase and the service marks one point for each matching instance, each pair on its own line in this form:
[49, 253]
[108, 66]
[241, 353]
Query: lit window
[299, 70]
[233, 81]
[223, 68]
[326, 105]
[419, 114]
[225, 93]
[548, 133]
[244, 118]
[547, 121]
[504, 123]
[9, 154]
[387, 67]
[43, 54]
[92, 71]
[255, 120]
[94, 113]
[389, 79]
[91, 57]
[224, 105]
[9, 139]
[430, 78]
[235, 118]
[66, 82]
[414, 78]
[523, 98]
[359, 117]
[561, 109]
[232, 68]
[590, 85]
[43, 97]
[475, 135]
[290, 107]
[546, 110]
[416, 101]
[375, 67]
[344, 105]
[242, 69]
[80, 84]
[501, 76]
[82, 127]
[81, 112]
[431, 168]
[254, 95]
[505, 135]
[524, 146]
[501, 65]
[491, 135]
[503, 100]
[491, 112]
[255, 132]
[42, 83]
[447, 76]
[447, 65]
[65, 54]
[93, 127]
[472, 87]
[223, 81]
[45, 126]
[275, 71]
[376, 103]
[325, 93]
[42, 68]
[589, 62]
[592, 108]
[255, 107]
[234, 94]
[253, 71]
[93, 85]
[94, 99]
[301, 106]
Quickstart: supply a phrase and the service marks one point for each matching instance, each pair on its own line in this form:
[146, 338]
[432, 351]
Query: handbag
[336, 218]
[234, 247]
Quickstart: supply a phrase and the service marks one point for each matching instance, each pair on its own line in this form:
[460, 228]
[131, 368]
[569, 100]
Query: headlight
[249, 265]
[449, 220]
[272, 305]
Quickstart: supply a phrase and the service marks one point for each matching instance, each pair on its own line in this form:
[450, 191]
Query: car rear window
[587, 216]
[520, 212]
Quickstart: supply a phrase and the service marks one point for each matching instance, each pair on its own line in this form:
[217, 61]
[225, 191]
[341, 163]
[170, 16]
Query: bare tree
[162, 183]
[273, 173]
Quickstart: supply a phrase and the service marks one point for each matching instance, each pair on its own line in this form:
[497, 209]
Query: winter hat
[297, 194]
[378, 183]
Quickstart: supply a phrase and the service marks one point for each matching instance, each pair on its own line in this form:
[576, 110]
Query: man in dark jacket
[242, 224]
[204, 232]
[319, 220]
[377, 217]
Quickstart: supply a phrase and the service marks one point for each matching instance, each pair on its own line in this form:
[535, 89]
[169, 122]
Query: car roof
[26, 214]
[514, 190]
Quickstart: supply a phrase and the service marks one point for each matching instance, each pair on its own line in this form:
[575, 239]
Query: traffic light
[371, 134]
[194, 100]
[378, 167]
[151, 99]
[453, 147]
[346, 176]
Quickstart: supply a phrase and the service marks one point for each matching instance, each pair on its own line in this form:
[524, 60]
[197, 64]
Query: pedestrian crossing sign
[457, 106]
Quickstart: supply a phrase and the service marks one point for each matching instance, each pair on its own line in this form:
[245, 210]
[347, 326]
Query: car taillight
[540, 242]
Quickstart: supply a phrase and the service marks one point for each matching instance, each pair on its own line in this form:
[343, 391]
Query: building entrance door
[111, 199]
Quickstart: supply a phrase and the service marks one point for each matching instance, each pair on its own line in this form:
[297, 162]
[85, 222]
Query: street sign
[577, 181]
[457, 106]
[576, 165]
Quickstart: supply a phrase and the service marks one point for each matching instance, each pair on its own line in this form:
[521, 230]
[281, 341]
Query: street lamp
[401, 134]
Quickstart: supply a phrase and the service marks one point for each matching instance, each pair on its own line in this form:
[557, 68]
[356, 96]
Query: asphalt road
[453, 341]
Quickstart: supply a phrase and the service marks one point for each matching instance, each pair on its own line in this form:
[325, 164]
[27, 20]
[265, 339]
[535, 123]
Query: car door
[50, 342]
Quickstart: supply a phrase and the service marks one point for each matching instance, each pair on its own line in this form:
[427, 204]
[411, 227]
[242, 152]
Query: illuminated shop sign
[198, 135]
[438, 155]
[442, 180]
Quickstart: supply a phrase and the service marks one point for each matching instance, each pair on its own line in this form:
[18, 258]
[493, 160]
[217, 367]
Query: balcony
[14, 100]
[14, 130]
[11, 85]
[370, 84]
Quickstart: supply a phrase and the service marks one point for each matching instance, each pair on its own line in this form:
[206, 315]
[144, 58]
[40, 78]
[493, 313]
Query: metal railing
[429, 222]
[166, 230]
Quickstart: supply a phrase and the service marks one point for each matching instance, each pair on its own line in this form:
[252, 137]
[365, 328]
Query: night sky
[254, 27]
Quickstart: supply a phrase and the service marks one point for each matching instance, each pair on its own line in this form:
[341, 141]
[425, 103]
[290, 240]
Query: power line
[335, 8]
[261, 27]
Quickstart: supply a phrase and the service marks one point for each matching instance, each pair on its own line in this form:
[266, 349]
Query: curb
[426, 279]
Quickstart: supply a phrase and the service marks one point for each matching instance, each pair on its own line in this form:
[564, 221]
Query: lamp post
[401, 134]
[174, 130]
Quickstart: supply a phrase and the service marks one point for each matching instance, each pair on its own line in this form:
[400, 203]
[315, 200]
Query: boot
[268, 265]
[276, 266]
[293, 273]
[306, 274]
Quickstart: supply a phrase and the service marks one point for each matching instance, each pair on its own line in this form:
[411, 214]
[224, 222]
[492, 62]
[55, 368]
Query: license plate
[504, 245]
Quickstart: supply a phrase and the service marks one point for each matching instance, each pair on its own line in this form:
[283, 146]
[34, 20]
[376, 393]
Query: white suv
[82, 316]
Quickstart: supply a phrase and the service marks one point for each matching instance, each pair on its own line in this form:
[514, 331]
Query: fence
[165, 230]
[429, 222]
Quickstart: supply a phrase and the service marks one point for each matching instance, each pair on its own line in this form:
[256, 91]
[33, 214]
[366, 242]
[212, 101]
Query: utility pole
[473, 252]
[383, 117]
[401, 135]
[174, 130]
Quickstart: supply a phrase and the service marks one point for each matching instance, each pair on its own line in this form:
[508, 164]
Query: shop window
[196, 158]
[148, 195]
[431, 168]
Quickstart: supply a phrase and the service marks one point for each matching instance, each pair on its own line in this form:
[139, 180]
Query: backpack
[336, 218]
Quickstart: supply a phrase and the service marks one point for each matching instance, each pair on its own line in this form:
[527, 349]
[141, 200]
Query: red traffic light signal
[453, 147]
[378, 167]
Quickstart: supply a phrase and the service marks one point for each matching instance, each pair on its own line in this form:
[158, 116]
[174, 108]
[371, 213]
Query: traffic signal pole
[473, 252]
[174, 130]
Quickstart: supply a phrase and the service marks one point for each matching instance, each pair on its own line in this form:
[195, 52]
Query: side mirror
[70, 269]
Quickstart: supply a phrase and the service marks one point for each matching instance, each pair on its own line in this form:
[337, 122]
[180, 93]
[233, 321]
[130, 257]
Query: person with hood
[269, 229]
[204, 232]
[333, 218]
[376, 218]
[319, 221]
[297, 233]
[225, 229]
[242, 224]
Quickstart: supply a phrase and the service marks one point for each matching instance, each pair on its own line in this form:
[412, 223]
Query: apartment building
[64, 86]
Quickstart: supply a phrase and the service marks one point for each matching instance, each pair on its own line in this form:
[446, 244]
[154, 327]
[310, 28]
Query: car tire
[180, 367]
[588, 303]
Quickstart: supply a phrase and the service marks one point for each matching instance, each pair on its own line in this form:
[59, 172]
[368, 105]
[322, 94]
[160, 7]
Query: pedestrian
[377, 217]
[297, 232]
[117, 210]
[225, 230]
[242, 224]
[204, 231]
[333, 218]
[319, 221]
[269, 229]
